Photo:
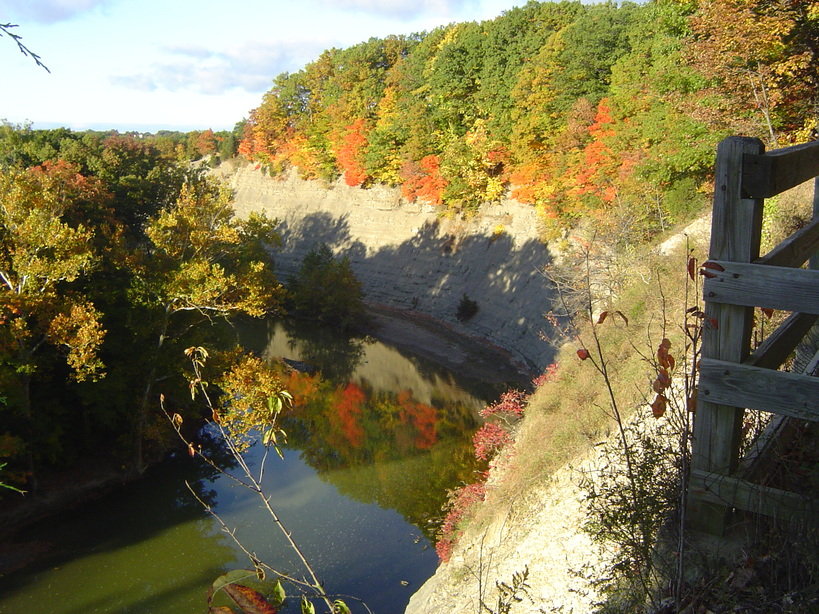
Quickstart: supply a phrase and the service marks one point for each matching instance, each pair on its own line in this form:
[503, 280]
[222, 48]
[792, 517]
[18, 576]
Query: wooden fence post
[735, 236]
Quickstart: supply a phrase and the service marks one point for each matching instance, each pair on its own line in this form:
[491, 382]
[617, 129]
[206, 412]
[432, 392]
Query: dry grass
[567, 416]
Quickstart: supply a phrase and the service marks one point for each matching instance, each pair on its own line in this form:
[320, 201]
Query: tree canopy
[579, 109]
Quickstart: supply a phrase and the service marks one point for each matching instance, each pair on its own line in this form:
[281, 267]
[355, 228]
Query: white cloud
[46, 11]
[401, 8]
[250, 67]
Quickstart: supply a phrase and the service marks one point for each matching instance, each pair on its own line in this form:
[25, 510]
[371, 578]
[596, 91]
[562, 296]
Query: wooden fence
[732, 377]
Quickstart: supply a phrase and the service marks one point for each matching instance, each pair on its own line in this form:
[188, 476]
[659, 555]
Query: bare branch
[5, 28]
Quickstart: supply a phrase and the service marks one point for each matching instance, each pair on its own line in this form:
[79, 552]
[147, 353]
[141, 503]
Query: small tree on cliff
[325, 288]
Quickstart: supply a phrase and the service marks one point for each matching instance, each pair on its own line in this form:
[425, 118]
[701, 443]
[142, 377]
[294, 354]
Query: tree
[326, 289]
[43, 258]
[199, 260]
[762, 55]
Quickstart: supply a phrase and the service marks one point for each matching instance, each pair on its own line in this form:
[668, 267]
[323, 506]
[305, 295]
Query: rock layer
[409, 257]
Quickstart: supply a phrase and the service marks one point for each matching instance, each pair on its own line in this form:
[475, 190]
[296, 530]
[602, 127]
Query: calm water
[374, 445]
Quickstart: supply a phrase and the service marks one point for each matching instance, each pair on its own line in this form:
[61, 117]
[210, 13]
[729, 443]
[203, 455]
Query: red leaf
[767, 311]
[691, 402]
[713, 265]
[603, 316]
[583, 354]
[251, 601]
[692, 267]
[658, 406]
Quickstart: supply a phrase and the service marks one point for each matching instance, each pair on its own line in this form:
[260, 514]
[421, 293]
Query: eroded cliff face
[409, 258]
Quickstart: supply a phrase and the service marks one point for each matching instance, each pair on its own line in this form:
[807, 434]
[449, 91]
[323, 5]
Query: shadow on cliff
[434, 270]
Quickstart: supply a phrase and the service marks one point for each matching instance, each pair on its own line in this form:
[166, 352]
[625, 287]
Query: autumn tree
[762, 58]
[43, 258]
[199, 260]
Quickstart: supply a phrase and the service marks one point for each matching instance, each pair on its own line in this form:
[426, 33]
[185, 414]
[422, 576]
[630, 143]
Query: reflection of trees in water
[382, 448]
[336, 355]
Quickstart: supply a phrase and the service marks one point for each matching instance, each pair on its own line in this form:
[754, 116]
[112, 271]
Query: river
[374, 444]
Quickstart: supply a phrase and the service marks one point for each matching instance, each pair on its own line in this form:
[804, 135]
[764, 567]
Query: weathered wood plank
[796, 249]
[736, 225]
[777, 346]
[733, 492]
[788, 394]
[756, 285]
[769, 174]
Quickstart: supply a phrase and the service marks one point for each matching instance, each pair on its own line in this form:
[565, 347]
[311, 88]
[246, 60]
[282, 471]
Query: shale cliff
[409, 258]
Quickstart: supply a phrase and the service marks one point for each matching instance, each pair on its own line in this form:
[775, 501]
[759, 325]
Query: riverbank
[59, 491]
[436, 341]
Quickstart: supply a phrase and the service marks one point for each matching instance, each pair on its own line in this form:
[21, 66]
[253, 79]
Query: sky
[149, 65]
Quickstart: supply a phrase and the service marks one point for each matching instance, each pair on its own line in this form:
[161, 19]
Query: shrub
[326, 289]
[489, 439]
[467, 309]
[459, 502]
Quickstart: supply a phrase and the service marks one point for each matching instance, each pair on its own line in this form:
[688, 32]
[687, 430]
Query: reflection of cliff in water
[393, 430]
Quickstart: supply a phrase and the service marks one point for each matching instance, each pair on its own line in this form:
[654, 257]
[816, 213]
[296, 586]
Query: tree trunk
[138, 463]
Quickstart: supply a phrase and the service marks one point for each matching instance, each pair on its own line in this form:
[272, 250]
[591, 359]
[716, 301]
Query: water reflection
[391, 433]
[375, 440]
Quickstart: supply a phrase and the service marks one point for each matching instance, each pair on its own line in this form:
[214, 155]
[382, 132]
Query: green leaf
[269, 437]
[307, 607]
[339, 607]
[278, 595]
[274, 404]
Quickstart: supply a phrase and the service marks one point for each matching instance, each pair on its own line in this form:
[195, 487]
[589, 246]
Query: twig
[5, 28]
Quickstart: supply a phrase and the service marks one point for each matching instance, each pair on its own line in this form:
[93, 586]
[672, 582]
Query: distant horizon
[121, 127]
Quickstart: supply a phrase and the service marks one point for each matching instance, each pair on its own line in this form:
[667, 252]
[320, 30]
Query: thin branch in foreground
[5, 28]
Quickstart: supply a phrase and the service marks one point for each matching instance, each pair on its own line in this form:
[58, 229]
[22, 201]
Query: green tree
[325, 288]
[199, 259]
[42, 259]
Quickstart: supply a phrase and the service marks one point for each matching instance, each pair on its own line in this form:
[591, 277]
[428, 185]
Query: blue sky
[185, 64]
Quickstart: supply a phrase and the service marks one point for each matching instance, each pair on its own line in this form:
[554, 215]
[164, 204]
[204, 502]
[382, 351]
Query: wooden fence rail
[732, 378]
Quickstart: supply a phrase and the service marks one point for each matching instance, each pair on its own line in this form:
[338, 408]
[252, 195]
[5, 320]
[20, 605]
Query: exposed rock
[410, 258]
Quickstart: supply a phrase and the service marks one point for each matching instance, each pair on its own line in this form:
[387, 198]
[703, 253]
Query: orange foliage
[348, 409]
[423, 180]
[349, 156]
[302, 386]
[595, 173]
[423, 417]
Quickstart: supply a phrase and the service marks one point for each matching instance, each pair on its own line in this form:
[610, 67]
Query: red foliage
[547, 376]
[423, 417]
[348, 409]
[460, 500]
[349, 155]
[512, 403]
[423, 180]
[489, 439]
